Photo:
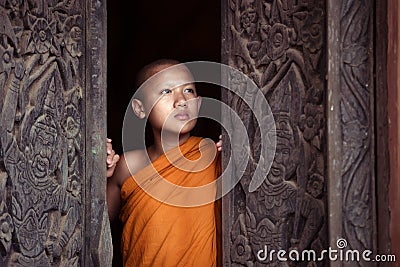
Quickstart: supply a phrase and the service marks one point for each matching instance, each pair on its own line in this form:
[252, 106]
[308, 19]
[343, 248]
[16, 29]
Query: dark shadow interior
[140, 32]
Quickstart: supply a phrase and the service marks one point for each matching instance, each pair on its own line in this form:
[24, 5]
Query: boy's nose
[180, 100]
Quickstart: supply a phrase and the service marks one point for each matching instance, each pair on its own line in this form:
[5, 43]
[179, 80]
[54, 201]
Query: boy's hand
[112, 159]
[219, 144]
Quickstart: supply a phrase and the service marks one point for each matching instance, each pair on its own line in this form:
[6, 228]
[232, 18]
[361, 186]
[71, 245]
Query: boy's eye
[189, 90]
[166, 91]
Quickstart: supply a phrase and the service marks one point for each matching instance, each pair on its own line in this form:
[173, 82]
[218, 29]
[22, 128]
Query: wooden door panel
[52, 83]
[281, 46]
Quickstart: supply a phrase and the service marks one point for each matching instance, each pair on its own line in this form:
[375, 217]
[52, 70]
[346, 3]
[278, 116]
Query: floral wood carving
[356, 115]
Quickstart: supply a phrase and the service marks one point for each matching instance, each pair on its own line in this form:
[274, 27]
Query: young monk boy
[166, 224]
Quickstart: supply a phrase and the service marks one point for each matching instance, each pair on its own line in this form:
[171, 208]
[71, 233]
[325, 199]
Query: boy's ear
[198, 104]
[138, 108]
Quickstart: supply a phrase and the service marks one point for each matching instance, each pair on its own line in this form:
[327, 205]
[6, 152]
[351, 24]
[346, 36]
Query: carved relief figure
[279, 44]
[283, 216]
[40, 125]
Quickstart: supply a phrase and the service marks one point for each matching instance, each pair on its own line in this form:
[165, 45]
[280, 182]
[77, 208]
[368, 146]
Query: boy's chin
[183, 131]
[188, 127]
[180, 129]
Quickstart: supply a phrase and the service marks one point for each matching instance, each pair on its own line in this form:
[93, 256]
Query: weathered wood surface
[46, 83]
[351, 126]
[280, 45]
[325, 155]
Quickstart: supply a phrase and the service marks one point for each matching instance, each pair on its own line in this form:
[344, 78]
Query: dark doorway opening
[140, 32]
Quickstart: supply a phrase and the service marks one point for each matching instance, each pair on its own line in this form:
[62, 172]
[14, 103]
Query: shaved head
[154, 67]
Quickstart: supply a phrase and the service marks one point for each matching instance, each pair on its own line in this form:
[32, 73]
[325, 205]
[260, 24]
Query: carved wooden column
[351, 167]
[280, 45]
[52, 123]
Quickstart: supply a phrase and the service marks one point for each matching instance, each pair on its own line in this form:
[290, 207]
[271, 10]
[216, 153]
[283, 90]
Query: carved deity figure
[278, 44]
[280, 214]
[40, 133]
[36, 166]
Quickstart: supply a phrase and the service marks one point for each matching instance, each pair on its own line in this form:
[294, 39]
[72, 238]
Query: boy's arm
[114, 184]
[119, 172]
[136, 160]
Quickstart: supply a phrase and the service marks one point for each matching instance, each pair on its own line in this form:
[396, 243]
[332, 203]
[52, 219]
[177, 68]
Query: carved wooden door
[52, 82]
[313, 61]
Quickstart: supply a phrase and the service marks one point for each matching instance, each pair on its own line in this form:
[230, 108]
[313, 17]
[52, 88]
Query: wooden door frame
[393, 85]
[98, 241]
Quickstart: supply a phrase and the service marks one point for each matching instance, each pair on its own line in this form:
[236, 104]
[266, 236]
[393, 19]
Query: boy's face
[170, 100]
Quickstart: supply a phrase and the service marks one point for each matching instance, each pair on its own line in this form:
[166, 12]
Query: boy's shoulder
[136, 159]
[130, 163]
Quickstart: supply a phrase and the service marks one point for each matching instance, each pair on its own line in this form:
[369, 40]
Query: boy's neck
[167, 143]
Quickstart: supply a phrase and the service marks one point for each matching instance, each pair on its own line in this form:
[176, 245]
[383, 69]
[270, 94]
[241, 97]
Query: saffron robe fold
[183, 232]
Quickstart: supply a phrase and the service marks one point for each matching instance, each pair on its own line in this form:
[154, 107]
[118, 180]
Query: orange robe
[160, 234]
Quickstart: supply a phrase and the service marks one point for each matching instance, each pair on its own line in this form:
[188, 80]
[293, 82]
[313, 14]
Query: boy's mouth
[182, 116]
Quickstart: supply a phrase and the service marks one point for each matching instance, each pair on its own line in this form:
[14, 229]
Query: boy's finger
[109, 159]
[115, 159]
[109, 148]
[112, 160]
[110, 156]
